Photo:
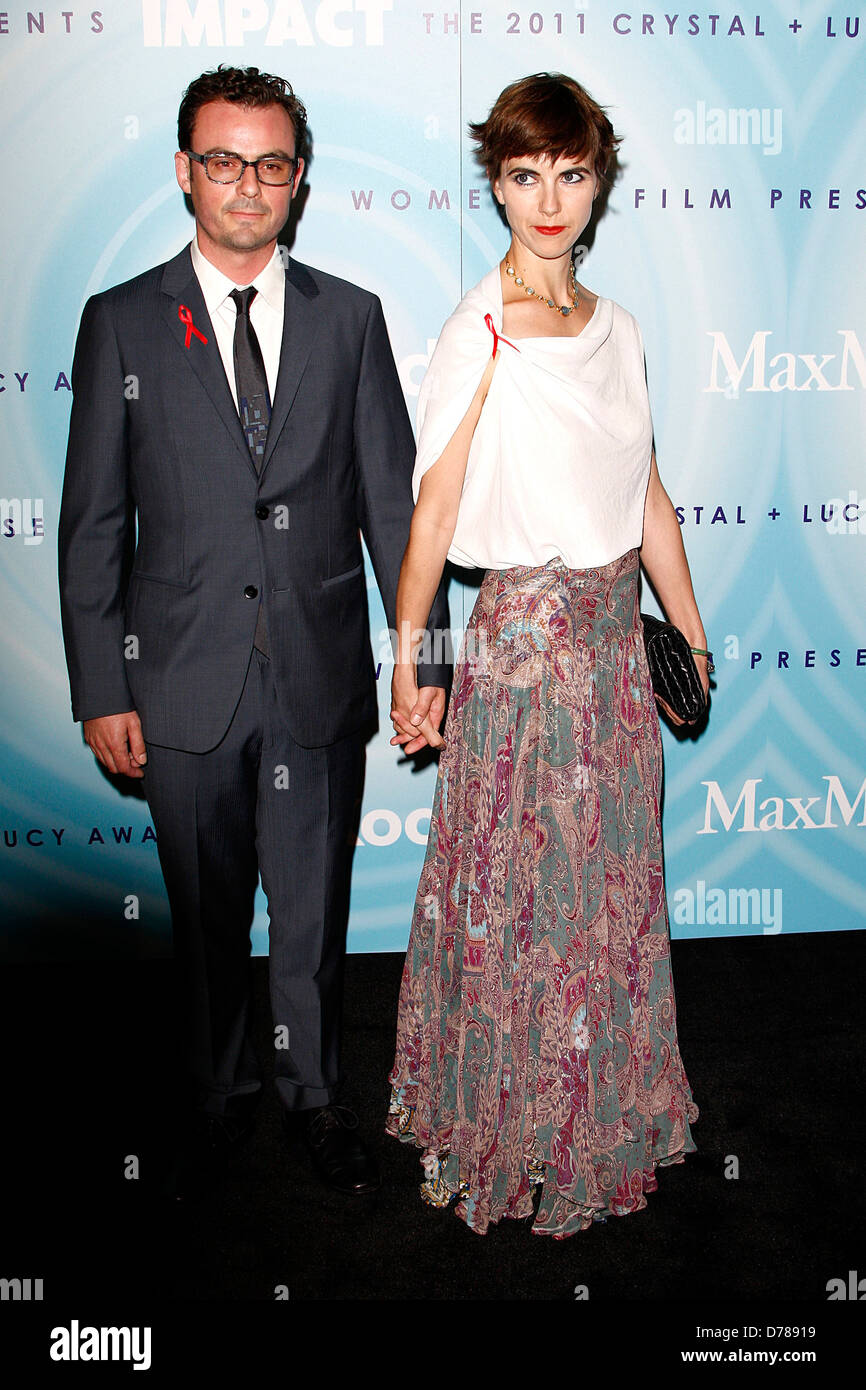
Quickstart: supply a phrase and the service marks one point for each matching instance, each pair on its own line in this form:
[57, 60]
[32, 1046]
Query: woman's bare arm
[433, 524]
[664, 558]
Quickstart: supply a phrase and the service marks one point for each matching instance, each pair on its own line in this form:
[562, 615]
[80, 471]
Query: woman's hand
[416, 714]
[704, 678]
[663, 557]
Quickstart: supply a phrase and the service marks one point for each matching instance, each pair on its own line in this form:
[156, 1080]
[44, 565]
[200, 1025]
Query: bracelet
[698, 651]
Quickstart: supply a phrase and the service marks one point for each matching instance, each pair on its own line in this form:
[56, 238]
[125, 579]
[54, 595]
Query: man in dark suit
[248, 417]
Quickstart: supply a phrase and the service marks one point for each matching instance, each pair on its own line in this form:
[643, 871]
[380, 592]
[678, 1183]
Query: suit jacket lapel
[181, 290]
[300, 326]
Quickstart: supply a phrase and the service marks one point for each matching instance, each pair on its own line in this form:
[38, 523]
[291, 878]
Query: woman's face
[547, 203]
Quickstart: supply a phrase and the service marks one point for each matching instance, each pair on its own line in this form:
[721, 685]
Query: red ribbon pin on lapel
[497, 337]
[185, 317]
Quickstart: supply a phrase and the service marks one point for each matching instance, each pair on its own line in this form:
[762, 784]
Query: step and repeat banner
[734, 234]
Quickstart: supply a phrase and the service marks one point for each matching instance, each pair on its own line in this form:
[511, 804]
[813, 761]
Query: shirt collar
[216, 287]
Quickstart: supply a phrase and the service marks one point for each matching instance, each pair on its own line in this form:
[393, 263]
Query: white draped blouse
[560, 458]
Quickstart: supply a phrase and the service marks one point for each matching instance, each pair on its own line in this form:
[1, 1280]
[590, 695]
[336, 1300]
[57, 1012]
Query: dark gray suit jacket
[155, 439]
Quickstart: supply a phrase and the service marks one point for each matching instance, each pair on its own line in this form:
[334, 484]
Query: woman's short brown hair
[546, 114]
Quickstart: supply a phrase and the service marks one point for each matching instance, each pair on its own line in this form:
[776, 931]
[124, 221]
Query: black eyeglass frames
[225, 167]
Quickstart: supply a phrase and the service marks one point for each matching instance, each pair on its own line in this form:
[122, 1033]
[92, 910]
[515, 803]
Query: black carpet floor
[772, 1035]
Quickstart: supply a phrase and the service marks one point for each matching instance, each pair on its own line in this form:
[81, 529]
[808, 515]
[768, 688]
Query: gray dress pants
[258, 803]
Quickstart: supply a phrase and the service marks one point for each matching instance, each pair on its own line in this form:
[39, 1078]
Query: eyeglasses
[229, 168]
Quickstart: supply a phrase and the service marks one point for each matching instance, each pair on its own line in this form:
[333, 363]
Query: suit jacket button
[262, 512]
[251, 591]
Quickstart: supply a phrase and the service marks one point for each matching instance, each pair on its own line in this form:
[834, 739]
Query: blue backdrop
[733, 236]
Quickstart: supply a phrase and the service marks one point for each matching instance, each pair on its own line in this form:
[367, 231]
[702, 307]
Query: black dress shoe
[338, 1154]
[209, 1145]
[224, 1134]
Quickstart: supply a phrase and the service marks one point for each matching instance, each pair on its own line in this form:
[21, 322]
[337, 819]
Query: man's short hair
[546, 114]
[245, 87]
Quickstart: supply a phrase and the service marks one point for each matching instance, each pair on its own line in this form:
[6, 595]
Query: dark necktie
[254, 402]
[254, 405]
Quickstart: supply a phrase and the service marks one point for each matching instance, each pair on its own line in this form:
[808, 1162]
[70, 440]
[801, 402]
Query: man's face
[235, 220]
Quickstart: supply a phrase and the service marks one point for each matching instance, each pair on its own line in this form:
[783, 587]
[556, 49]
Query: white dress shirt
[266, 312]
[560, 459]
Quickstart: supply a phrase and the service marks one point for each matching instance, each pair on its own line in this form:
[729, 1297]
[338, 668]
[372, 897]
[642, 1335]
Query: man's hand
[117, 742]
[416, 714]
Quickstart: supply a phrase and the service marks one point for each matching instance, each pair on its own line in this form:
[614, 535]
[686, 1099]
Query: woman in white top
[537, 1043]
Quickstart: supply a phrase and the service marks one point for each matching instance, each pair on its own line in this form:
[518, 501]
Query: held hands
[117, 742]
[704, 678]
[407, 702]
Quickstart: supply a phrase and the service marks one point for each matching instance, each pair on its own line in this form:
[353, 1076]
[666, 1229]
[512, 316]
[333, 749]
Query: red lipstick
[550, 231]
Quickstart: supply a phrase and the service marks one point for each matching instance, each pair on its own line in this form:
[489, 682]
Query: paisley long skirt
[537, 1040]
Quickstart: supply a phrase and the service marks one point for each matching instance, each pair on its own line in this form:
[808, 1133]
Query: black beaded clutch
[672, 668]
